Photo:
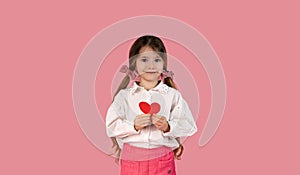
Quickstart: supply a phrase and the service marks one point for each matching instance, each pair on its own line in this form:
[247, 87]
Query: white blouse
[125, 107]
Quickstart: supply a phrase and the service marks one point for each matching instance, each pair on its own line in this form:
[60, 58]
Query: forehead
[148, 51]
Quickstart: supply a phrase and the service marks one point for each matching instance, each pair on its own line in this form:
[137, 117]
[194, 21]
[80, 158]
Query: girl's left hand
[160, 122]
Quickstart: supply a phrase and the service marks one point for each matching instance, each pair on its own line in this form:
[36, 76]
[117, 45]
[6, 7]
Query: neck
[148, 84]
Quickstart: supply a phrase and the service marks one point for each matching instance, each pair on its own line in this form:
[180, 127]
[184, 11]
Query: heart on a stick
[154, 108]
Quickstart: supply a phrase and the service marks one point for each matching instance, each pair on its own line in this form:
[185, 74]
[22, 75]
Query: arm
[116, 123]
[181, 121]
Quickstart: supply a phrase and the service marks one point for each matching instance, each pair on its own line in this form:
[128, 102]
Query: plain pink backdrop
[257, 43]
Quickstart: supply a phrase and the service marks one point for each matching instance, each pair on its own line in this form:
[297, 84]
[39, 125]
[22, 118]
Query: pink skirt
[141, 161]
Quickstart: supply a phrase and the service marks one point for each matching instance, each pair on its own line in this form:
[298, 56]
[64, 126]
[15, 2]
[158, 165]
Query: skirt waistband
[133, 153]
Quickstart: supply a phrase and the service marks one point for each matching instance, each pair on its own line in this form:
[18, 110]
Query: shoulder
[121, 94]
[174, 92]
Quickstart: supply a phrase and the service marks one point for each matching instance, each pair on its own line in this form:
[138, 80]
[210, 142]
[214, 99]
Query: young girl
[148, 115]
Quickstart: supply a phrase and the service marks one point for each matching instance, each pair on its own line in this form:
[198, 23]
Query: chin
[151, 78]
[154, 79]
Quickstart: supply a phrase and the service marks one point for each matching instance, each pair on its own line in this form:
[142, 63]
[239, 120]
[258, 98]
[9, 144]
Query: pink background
[258, 46]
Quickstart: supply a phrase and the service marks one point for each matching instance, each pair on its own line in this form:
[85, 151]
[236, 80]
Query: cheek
[160, 66]
[140, 67]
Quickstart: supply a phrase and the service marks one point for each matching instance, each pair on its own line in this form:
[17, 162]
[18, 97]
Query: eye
[158, 60]
[144, 59]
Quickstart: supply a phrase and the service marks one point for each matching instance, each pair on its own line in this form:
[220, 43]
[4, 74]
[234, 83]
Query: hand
[160, 122]
[178, 152]
[142, 121]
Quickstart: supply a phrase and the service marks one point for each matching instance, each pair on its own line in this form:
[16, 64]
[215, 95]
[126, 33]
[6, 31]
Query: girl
[148, 115]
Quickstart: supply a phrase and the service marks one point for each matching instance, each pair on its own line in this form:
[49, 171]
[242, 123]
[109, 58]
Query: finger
[180, 150]
[145, 115]
[160, 122]
[156, 116]
[157, 125]
[160, 127]
[155, 120]
[177, 158]
[146, 118]
[178, 154]
[159, 119]
[141, 124]
[142, 118]
[144, 122]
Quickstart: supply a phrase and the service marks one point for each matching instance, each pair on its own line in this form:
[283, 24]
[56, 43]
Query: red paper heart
[145, 107]
[154, 108]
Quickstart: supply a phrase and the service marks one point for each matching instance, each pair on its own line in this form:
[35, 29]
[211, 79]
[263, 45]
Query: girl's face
[149, 64]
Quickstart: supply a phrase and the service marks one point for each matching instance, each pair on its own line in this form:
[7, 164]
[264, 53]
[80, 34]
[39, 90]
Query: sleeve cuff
[169, 134]
[132, 129]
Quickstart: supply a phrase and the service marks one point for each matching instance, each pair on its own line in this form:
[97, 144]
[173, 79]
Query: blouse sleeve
[116, 123]
[181, 120]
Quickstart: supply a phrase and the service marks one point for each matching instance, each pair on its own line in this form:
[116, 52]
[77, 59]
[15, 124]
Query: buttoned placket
[148, 96]
[149, 101]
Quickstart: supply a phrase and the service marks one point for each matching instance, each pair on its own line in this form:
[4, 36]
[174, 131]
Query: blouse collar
[161, 87]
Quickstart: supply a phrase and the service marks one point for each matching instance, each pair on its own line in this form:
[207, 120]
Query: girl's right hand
[142, 121]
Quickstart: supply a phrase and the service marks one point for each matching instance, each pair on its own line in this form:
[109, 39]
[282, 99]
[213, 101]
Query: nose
[150, 64]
